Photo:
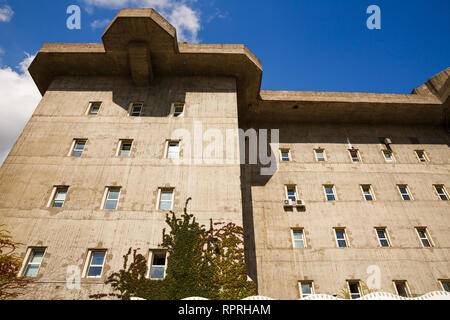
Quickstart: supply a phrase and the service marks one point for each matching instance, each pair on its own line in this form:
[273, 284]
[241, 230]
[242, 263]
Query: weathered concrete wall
[279, 267]
[40, 160]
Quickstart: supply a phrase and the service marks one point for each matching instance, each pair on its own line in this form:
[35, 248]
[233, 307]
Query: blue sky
[307, 45]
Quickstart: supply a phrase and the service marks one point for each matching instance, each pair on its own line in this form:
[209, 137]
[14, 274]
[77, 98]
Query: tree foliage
[10, 284]
[205, 263]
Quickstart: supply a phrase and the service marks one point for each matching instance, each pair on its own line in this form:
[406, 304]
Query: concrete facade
[140, 60]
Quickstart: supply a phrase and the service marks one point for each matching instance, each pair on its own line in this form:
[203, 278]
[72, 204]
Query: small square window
[442, 193]
[78, 147]
[306, 289]
[388, 156]
[354, 289]
[125, 148]
[96, 263]
[34, 262]
[329, 192]
[404, 192]
[382, 237]
[422, 232]
[59, 197]
[291, 193]
[341, 237]
[367, 192]
[158, 265]
[299, 239]
[402, 288]
[166, 199]
[285, 155]
[320, 155]
[94, 108]
[178, 110]
[354, 155]
[445, 285]
[112, 198]
[136, 109]
[173, 150]
[421, 156]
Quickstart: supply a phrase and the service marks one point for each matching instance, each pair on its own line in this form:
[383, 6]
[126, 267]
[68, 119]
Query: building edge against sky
[91, 174]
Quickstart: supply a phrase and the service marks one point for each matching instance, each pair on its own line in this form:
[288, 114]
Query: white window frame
[167, 149]
[160, 191]
[372, 194]
[28, 256]
[151, 255]
[358, 283]
[89, 261]
[131, 109]
[408, 192]
[286, 191]
[384, 155]
[311, 285]
[386, 237]
[73, 145]
[53, 196]
[175, 105]
[325, 186]
[285, 150]
[91, 105]
[336, 230]
[105, 198]
[442, 281]
[323, 153]
[293, 231]
[120, 145]
[425, 156]
[444, 190]
[427, 237]
[358, 155]
[408, 292]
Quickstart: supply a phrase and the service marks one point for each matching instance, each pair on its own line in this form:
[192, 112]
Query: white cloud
[177, 12]
[19, 98]
[101, 23]
[6, 13]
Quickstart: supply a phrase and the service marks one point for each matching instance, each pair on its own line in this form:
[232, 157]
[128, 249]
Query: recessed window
[445, 285]
[125, 148]
[291, 193]
[383, 237]
[367, 192]
[424, 237]
[388, 156]
[158, 265]
[96, 263]
[402, 288]
[298, 238]
[285, 155]
[404, 192]
[320, 155]
[442, 193]
[354, 155]
[421, 156]
[341, 237]
[136, 109]
[78, 147]
[34, 262]
[178, 110]
[330, 194]
[166, 199]
[355, 289]
[59, 197]
[94, 108]
[306, 289]
[173, 150]
[112, 198]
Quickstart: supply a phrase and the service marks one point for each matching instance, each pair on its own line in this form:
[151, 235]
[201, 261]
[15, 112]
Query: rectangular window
[173, 150]
[388, 156]
[341, 237]
[320, 155]
[291, 193]
[424, 237]
[94, 108]
[285, 155]
[299, 239]
[178, 110]
[125, 148]
[354, 289]
[136, 109]
[442, 193]
[329, 192]
[404, 192]
[354, 155]
[78, 147]
[402, 288]
[367, 192]
[59, 197]
[34, 262]
[382, 237]
[112, 198]
[96, 263]
[158, 264]
[445, 285]
[166, 199]
[421, 156]
[306, 288]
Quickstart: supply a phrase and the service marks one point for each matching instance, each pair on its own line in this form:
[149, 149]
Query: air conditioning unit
[387, 141]
[288, 203]
[300, 203]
